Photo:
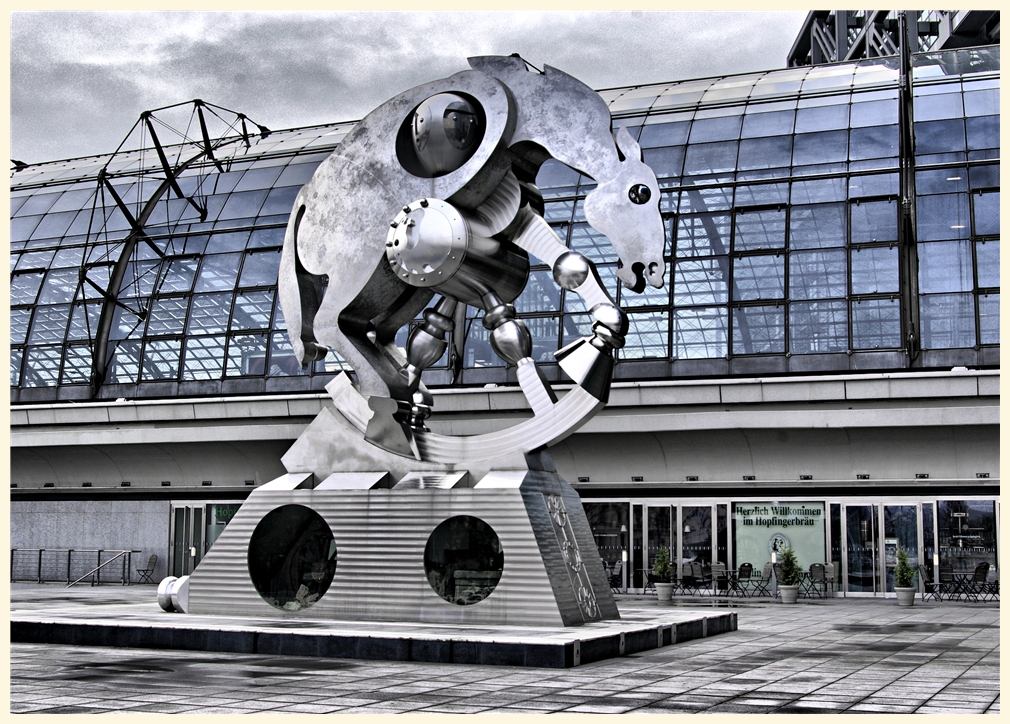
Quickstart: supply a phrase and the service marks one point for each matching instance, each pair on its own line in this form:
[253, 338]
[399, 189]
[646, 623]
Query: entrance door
[187, 538]
[862, 551]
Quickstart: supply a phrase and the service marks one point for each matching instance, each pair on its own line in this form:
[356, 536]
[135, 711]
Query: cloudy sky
[80, 80]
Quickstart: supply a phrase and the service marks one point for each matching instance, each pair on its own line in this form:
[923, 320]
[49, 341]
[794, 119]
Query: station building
[821, 368]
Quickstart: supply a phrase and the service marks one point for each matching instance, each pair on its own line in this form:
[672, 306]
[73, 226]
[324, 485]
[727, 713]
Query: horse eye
[639, 194]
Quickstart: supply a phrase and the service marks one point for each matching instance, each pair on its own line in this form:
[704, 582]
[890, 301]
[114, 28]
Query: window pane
[939, 137]
[880, 184]
[19, 325]
[759, 277]
[139, 279]
[280, 201]
[987, 259]
[266, 237]
[822, 118]
[218, 272]
[827, 147]
[876, 324]
[760, 194]
[203, 359]
[821, 190]
[297, 173]
[874, 221]
[710, 158]
[50, 324]
[703, 235]
[594, 245]
[710, 199]
[817, 274]
[53, 225]
[540, 295]
[759, 330]
[252, 310]
[574, 326]
[941, 181]
[664, 134]
[667, 161]
[84, 321]
[986, 213]
[178, 276]
[874, 113]
[874, 270]
[988, 318]
[982, 177]
[219, 243]
[76, 365]
[873, 142]
[771, 152]
[243, 204]
[818, 327]
[125, 363]
[167, 316]
[68, 257]
[936, 106]
[948, 321]
[260, 269]
[283, 362]
[247, 354]
[701, 281]
[764, 229]
[209, 314]
[982, 102]
[161, 359]
[258, 178]
[36, 260]
[557, 179]
[647, 335]
[815, 227]
[777, 123]
[60, 286]
[943, 217]
[544, 334]
[983, 132]
[42, 366]
[16, 357]
[945, 267]
[700, 333]
[125, 321]
[725, 128]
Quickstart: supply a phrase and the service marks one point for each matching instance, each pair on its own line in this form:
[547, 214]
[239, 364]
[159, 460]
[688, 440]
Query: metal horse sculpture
[433, 193]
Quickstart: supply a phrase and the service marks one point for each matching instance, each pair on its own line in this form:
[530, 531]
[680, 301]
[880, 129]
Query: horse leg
[587, 361]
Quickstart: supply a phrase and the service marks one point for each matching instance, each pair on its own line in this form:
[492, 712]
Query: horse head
[625, 208]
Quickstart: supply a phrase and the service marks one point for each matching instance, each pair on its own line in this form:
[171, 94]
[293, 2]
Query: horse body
[342, 215]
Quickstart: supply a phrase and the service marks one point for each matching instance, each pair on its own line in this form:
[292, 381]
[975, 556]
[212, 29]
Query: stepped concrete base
[143, 625]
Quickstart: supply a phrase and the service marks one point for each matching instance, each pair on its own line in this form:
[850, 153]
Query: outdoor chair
[930, 589]
[829, 577]
[743, 578]
[720, 582]
[650, 581]
[818, 580]
[615, 577]
[992, 587]
[761, 584]
[146, 573]
[979, 581]
[948, 585]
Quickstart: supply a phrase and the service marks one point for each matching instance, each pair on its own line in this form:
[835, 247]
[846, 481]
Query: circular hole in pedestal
[292, 557]
[463, 560]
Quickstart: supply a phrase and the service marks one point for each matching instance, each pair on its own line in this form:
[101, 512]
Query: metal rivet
[424, 203]
[406, 209]
[393, 224]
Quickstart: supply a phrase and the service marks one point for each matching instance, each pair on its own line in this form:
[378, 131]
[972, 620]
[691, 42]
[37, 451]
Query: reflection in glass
[861, 548]
[876, 324]
[948, 321]
[900, 531]
[967, 533]
[463, 560]
[697, 534]
[292, 557]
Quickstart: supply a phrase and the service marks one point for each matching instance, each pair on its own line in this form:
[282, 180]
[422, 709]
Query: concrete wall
[95, 524]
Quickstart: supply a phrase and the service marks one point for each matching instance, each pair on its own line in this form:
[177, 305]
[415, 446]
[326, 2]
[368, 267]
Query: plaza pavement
[819, 656]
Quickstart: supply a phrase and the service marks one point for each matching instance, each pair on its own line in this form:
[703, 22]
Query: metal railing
[73, 565]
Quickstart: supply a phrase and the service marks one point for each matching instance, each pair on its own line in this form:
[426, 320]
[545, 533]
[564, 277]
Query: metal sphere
[446, 133]
[570, 270]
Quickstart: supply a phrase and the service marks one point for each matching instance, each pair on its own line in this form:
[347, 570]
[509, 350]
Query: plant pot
[906, 596]
[664, 591]
[789, 593]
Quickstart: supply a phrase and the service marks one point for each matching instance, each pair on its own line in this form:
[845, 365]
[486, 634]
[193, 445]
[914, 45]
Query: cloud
[80, 80]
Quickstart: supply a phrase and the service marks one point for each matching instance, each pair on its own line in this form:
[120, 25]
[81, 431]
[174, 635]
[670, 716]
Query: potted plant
[904, 579]
[789, 575]
[662, 574]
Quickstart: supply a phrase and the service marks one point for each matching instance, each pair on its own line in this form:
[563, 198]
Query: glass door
[697, 530]
[661, 533]
[901, 530]
[187, 539]
[862, 551]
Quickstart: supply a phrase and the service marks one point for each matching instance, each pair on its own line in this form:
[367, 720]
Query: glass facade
[858, 536]
[786, 250]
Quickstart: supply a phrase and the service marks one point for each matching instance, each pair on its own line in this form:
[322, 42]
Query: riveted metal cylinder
[431, 244]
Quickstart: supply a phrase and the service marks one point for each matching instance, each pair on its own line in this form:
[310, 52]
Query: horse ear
[628, 145]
